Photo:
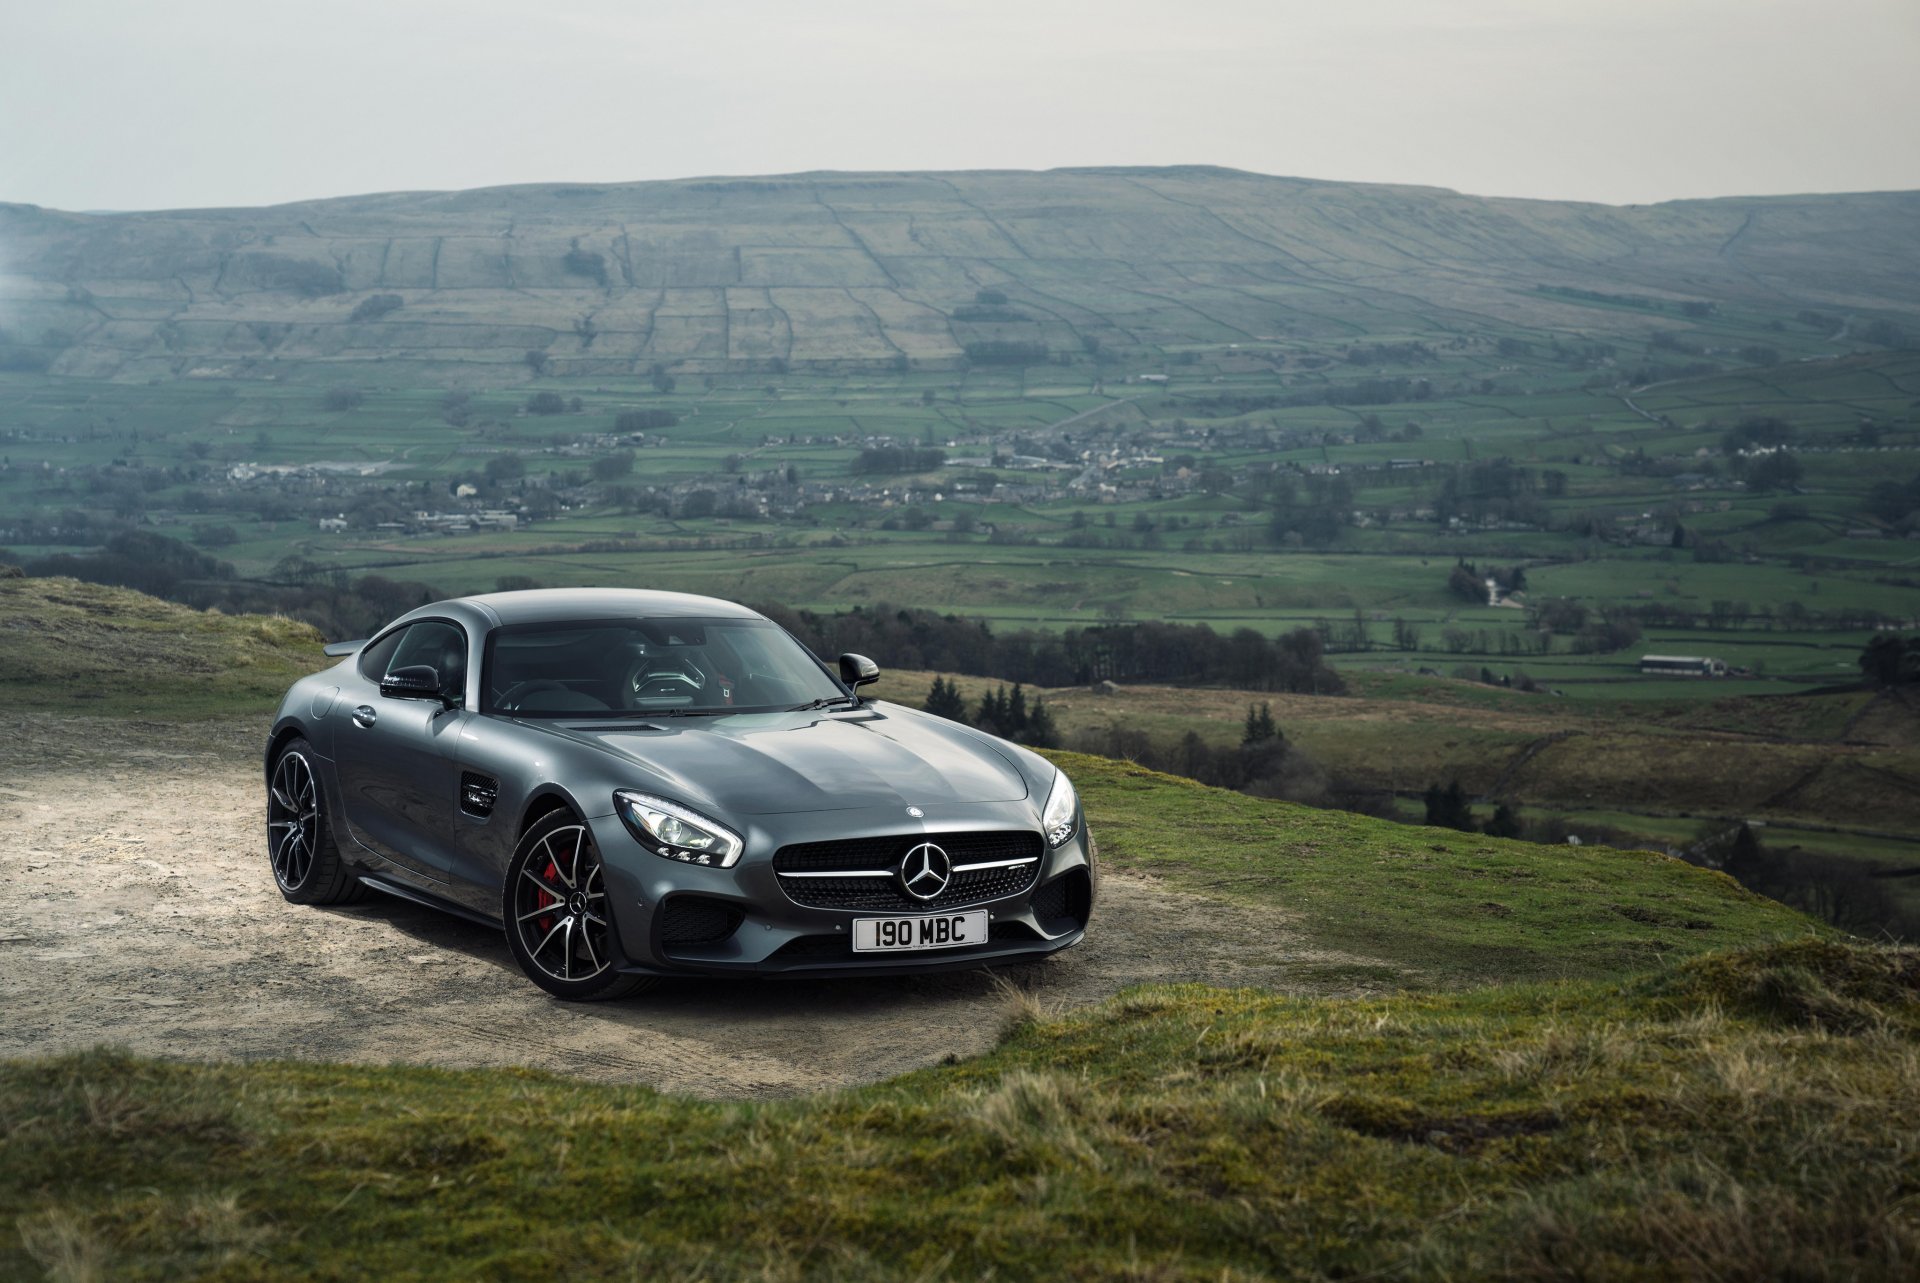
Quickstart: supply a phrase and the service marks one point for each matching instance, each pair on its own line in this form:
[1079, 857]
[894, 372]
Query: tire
[306, 861]
[554, 907]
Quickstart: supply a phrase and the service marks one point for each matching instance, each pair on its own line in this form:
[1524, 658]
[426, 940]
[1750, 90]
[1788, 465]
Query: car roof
[556, 605]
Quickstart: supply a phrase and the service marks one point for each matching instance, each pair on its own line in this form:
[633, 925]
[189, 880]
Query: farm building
[1683, 665]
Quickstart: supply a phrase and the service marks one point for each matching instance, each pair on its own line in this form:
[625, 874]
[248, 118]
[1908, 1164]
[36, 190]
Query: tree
[1504, 824]
[614, 466]
[1779, 470]
[1465, 582]
[662, 381]
[342, 398]
[1260, 726]
[1891, 660]
[1041, 731]
[503, 468]
[1449, 808]
[943, 700]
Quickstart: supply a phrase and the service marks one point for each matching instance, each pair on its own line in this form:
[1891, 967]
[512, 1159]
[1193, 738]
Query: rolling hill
[836, 271]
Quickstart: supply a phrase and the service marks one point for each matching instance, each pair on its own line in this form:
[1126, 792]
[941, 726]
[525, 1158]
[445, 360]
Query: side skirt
[403, 892]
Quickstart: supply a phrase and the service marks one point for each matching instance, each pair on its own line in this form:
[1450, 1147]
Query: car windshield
[658, 666]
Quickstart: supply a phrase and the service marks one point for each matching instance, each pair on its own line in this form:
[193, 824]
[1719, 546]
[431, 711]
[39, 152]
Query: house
[1682, 666]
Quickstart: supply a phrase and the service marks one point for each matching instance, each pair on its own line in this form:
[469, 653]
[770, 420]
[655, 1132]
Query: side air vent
[478, 794]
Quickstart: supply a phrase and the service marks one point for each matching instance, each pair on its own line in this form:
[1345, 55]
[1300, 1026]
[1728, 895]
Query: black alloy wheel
[306, 862]
[558, 924]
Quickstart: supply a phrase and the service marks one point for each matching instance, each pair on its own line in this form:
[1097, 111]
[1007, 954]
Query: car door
[396, 757]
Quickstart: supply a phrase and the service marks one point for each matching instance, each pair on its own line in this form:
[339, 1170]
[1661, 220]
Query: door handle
[364, 715]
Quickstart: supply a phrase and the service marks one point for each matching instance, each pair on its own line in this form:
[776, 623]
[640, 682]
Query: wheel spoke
[586, 938]
[282, 800]
[548, 938]
[544, 885]
[558, 867]
[566, 952]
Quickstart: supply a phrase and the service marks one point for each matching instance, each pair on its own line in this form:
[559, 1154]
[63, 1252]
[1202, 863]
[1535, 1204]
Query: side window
[377, 658]
[441, 646]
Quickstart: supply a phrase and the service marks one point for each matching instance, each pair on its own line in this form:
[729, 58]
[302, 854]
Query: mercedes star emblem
[916, 813]
[925, 872]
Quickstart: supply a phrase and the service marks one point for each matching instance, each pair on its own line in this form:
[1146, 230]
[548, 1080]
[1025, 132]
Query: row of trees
[1452, 808]
[324, 596]
[1172, 654]
[999, 712]
[892, 460]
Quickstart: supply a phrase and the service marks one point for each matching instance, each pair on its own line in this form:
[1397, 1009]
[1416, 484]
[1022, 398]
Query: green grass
[1451, 908]
[1746, 1115]
[74, 647]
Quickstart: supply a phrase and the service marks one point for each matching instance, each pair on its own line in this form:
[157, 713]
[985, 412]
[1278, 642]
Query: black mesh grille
[693, 919]
[885, 852]
[885, 893]
[1064, 900]
[1050, 901]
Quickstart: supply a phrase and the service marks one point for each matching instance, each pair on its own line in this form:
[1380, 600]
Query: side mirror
[856, 671]
[415, 681]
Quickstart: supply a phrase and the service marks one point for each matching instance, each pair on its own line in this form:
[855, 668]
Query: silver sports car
[640, 784]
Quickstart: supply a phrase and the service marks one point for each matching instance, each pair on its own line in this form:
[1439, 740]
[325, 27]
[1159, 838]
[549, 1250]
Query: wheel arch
[283, 734]
[544, 801]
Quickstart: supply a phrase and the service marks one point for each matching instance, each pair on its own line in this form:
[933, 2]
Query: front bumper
[776, 936]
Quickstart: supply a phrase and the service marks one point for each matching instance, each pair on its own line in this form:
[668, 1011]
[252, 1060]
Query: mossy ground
[1448, 907]
[83, 648]
[1742, 1116]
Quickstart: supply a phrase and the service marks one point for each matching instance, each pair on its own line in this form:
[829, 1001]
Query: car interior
[648, 666]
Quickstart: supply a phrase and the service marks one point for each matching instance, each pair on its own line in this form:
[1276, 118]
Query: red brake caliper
[541, 899]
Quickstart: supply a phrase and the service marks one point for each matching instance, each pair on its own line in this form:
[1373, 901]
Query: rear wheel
[558, 924]
[306, 861]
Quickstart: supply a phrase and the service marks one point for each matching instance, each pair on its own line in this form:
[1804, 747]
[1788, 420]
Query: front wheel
[555, 907]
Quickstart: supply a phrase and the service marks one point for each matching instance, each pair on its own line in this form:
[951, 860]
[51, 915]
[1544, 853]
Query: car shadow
[697, 997]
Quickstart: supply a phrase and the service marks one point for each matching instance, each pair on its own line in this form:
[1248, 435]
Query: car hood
[781, 763]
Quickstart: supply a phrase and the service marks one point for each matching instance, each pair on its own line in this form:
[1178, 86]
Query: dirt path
[136, 909]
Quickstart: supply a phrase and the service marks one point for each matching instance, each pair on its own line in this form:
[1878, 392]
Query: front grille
[884, 892]
[694, 919]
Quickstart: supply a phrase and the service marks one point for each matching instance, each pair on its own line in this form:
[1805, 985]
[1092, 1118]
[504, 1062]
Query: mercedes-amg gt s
[641, 784]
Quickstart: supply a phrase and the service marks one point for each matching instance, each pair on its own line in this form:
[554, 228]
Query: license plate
[933, 931]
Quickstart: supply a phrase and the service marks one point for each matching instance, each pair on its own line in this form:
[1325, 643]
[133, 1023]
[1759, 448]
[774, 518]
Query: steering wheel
[511, 699]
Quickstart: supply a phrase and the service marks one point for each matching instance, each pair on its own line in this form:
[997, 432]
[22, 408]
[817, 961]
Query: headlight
[1061, 810]
[671, 830]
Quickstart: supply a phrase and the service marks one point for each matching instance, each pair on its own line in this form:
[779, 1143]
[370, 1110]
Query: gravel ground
[137, 910]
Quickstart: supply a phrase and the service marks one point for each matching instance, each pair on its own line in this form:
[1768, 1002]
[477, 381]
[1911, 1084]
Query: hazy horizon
[113, 106]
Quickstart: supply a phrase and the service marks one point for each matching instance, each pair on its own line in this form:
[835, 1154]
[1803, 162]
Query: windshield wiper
[827, 702]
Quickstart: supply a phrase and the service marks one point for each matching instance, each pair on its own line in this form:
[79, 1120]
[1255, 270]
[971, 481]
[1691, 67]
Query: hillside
[66, 645]
[896, 271]
[1564, 1054]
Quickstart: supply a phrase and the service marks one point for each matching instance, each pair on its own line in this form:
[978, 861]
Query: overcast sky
[130, 104]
